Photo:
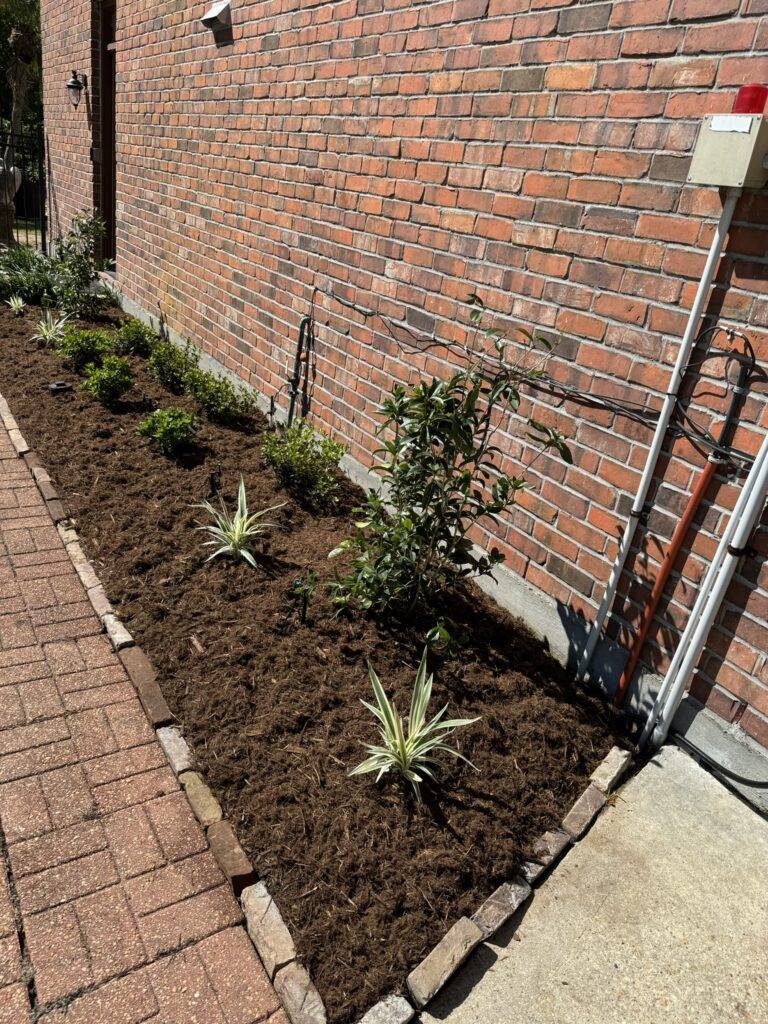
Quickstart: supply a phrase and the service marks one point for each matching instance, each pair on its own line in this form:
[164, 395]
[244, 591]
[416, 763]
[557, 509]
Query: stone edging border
[267, 930]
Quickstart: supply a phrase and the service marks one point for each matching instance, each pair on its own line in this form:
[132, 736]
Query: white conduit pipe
[744, 518]
[670, 400]
[705, 589]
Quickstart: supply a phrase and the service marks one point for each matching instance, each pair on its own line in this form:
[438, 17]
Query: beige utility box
[730, 151]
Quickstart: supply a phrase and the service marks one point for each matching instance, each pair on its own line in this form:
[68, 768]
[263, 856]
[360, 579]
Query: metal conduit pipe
[670, 400]
[731, 548]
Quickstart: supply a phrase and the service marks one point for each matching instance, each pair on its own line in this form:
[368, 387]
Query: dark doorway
[107, 199]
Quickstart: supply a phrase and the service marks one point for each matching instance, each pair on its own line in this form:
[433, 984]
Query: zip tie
[738, 552]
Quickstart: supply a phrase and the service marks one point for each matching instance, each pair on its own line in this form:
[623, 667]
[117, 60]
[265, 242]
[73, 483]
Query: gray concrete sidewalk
[659, 915]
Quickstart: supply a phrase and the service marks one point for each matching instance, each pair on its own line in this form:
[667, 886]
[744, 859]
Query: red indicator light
[750, 99]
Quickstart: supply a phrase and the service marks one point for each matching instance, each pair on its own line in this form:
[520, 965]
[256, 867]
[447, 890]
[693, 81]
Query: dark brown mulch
[367, 880]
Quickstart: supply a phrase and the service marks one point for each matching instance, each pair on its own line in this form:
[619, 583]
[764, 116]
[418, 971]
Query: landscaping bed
[366, 878]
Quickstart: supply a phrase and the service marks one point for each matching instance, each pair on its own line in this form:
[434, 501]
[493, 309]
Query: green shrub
[305, 461]
[442, 476]
[25, 272]
[172, 430]
[220, 399]
[170, 365]
[109, 381]
[75, 267]
[81, 348]
[65, 278]
[135, 339]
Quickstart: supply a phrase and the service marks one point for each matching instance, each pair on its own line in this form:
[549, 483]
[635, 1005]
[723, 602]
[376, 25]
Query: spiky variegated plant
[50, 330]
[17, 305]
[412, 754]
[234, 534]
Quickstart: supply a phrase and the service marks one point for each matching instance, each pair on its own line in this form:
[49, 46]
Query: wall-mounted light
[218, 17]
[75, 88]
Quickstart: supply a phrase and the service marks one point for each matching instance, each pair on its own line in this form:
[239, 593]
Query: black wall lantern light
[75, 88]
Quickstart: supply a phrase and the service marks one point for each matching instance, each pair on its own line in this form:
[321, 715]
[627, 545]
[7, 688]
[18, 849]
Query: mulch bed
[366, 879]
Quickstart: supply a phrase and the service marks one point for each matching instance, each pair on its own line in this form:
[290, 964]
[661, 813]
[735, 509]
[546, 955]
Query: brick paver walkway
[112, 908]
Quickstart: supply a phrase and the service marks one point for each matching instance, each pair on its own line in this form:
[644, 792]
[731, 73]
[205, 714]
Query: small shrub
[305, 461]
[234, 534]
[25, 272]
[75, 268]
[172, 430]
[84, 348]
[220, 399]
[170, 365]
[441, 468]
[17, 305]
[135, 339]
[411, 753]
[109, 381]
[50, 330]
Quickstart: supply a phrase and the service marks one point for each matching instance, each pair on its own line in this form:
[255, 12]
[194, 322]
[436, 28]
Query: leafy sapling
[302, 589]
[410, 752]
[50, 330]
[172, 430]
[443, 477]
[17, 305]
[109, 381]
[234, 535]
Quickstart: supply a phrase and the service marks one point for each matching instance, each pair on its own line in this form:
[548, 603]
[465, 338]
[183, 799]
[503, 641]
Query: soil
[367, 879]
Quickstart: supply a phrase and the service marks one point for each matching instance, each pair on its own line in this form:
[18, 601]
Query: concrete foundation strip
[266, 927]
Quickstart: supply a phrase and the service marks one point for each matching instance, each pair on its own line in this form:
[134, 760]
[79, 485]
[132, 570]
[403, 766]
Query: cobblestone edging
[265, 925]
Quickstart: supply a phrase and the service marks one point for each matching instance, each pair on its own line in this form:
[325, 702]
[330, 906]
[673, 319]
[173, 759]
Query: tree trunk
[10, 175]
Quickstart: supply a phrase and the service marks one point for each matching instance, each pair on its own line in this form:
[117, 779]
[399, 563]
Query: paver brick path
[112, 908]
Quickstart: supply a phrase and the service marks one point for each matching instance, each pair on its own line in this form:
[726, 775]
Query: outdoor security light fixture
[218, 17]
[75, 88]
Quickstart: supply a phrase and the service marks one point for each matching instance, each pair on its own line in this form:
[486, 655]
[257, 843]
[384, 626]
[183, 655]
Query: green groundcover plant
[442, 475]
[84, 348]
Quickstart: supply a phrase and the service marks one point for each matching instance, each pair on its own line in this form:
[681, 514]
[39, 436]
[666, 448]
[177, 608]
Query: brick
[299, 996]
[175, 826]
[110, 934]
[206, 807]
[176, 750]
[128, 1000]
[14, 1005]
[268, 931]
[500, 906]
[59, 957]
[391, 1010]
[183, 992]
[239, 980]
[65, 882]
[67, 844]
[230, 856]
[195, 918]
[143, 677]
[132, 842]
[447, 956]
[584, 811]
[607, 774]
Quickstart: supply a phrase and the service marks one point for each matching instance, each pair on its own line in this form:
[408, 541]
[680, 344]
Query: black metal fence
[22, 189]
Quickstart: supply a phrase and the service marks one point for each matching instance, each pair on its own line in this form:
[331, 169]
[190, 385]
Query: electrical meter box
[731, 151]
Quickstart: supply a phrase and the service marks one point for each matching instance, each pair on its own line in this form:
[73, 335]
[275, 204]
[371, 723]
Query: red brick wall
[405, 153]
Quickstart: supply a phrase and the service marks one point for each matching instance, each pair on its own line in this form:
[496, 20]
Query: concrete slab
[659, 915]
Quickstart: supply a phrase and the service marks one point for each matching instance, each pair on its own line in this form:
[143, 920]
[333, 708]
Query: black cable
[700, 437]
